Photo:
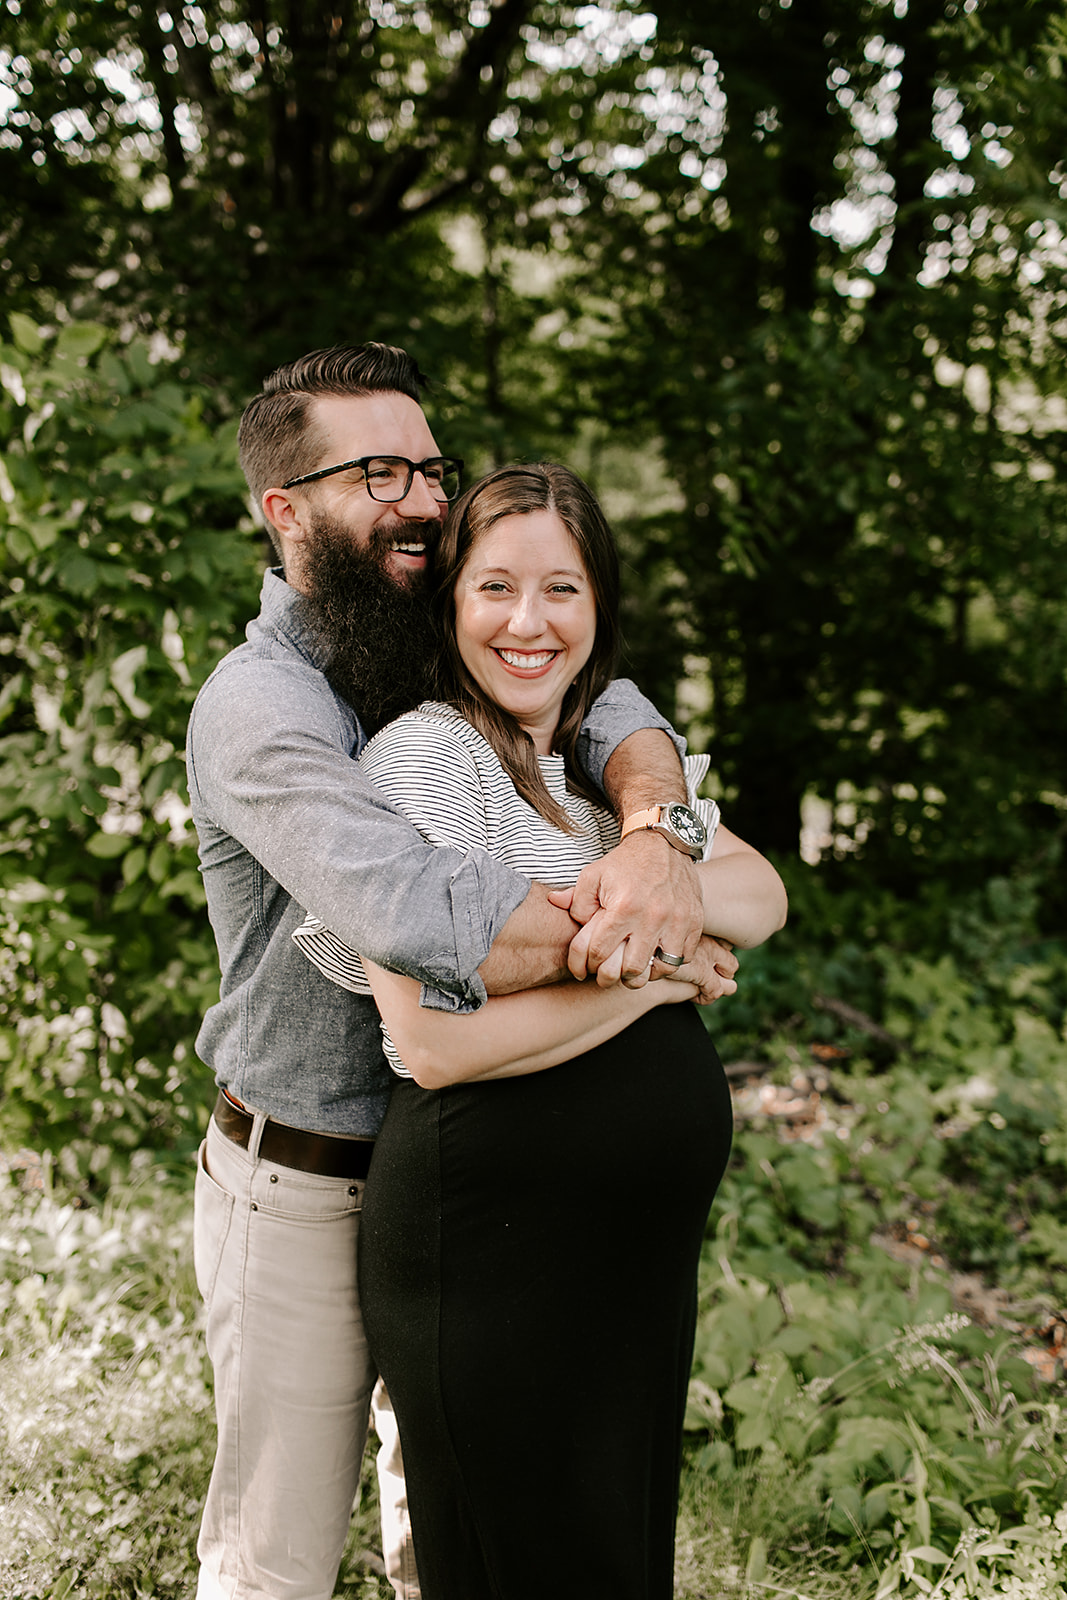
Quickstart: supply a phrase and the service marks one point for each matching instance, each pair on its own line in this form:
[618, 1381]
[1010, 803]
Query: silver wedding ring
[669, 961]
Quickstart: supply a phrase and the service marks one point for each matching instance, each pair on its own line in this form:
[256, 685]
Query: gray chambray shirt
[288, 824]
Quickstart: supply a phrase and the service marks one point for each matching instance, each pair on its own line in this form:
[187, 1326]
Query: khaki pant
[275, 1255]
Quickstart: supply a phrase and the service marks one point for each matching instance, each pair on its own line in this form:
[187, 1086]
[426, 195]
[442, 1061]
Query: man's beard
[376, 631]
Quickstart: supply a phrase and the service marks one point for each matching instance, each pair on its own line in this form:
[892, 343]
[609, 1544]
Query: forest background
[786, 282]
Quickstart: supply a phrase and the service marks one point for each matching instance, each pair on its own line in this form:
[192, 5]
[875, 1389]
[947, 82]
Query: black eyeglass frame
[362, 462]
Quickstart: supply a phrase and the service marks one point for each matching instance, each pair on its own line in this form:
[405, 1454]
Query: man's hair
[278, 438]
[516, 491]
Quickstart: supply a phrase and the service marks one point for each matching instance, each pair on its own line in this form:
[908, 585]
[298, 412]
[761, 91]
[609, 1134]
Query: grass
[106, 1423]
[106, 1434]
[104, 1400]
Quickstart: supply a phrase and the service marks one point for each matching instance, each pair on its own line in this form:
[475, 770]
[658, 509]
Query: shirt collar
[292, 613]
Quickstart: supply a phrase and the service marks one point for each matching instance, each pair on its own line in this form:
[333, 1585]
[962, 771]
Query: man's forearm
[643, 771]
[531, 948]
[644, 894]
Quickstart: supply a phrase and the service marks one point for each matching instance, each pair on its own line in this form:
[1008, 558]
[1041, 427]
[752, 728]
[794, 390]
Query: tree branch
[857, 1019]
[466, 97]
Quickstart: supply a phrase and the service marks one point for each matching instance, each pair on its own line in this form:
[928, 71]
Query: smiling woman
[495, 1278]
[492, 1264]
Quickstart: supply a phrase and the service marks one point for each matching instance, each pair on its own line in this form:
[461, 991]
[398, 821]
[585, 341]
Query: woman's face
[526, 618]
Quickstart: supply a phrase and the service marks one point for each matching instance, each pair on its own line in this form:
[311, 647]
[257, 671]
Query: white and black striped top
[447, 780]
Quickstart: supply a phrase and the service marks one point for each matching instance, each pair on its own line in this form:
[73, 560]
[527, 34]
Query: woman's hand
[707, 977]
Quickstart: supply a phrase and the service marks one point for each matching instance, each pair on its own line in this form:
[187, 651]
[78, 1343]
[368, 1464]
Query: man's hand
[642, 896]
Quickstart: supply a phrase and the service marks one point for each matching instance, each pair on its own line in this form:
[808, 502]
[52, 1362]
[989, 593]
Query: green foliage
[887, 1249]
[863, 1417]
[865, 1420]
[127, 567]
[785, 280]
[105, 1435]
[245, 175]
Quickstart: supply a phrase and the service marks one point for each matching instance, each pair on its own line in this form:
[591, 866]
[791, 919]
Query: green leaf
[25, 333]
[754, 1432]
[19, 543]
[142, 369]
[10, 693]
[756, 1565]
[64, 1584]
[79, 573]
[928, 1553]
[44, 531]
[106, 846]
[80, 339]
[134, 863]
[113, 373]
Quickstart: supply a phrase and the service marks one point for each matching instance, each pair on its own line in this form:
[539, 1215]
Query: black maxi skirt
[528, 1269]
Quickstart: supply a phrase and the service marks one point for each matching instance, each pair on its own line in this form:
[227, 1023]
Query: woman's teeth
[515, 658]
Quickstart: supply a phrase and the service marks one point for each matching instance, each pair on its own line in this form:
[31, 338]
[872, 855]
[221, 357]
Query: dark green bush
[127, 566]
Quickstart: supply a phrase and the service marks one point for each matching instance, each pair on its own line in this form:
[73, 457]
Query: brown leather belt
[321, 1153]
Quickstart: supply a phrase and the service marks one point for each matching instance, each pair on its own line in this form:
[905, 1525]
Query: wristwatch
[679, 825]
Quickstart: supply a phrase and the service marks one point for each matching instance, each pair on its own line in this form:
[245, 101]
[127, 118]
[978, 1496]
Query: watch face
[687, 824]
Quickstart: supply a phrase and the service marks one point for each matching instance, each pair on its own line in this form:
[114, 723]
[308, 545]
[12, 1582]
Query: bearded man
[340, 459]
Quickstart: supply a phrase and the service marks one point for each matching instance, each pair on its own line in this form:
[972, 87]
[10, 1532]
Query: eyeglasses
[388, 478]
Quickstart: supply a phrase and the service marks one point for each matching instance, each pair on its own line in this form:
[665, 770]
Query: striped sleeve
[431, 775]
[334, 959]
[696, 770]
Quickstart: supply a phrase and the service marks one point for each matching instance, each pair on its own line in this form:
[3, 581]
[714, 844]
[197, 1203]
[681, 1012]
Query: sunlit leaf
[25, 333]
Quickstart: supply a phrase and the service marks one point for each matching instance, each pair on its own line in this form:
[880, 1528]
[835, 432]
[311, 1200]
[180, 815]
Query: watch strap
[640, 819]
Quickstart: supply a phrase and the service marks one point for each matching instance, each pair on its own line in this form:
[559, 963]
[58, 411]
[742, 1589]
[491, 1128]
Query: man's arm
[742, 900]
[531, 948]
[270, 767]
[644, 895]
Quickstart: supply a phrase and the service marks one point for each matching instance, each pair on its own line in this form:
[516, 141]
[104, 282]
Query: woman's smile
[527, 662]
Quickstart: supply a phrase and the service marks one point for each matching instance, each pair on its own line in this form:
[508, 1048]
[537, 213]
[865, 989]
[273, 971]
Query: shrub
[127, 566]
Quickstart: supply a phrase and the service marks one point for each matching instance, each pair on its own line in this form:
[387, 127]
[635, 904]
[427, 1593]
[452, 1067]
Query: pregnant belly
[649, 1107]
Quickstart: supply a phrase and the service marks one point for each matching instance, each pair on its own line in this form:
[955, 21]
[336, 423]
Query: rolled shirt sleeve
[621, 710]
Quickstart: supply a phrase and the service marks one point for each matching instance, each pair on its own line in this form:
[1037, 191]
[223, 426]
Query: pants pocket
[212, 1215]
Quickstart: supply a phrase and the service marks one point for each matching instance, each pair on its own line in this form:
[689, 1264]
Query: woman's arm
[744, 898]
[515, 1034]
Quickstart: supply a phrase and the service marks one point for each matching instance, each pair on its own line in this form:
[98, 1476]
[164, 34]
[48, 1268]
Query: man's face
[398, 536]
